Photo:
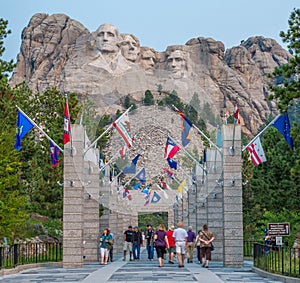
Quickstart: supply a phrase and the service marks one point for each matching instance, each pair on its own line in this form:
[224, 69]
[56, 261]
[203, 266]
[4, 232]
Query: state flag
[141, 175]
[122, 125]
[171, 148]
[156, 198]
[282, 124]
[172, 163]
[131, 169]
[90, 155]
[186, 126]
[67, 125]
[24, 125]
[256, 151]
[54, 151]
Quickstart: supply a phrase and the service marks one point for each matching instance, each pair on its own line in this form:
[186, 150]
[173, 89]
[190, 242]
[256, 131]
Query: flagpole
[71, 140]
[233, 135]
[187, 153]
[202, 133]
[107, 130]
[108, 162]
[262, 131]
[40, 129]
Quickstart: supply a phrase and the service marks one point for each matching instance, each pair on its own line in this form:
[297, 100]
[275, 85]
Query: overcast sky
[159, 23]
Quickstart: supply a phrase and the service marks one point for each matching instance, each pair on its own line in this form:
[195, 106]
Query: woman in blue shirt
[105, 244]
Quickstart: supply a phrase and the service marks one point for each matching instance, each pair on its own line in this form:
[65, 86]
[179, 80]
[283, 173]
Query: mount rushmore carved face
[177, 64]
[130, 47]
[107, 38]
[148, 60]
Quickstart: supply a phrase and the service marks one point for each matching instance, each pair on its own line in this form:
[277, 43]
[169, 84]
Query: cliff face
[106, 66]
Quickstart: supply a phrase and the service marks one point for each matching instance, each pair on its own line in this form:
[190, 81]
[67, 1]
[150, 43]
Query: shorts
[180, 247]
[171, 250]
[160, 251]
[104, 252]
[127, 246]
[205, 252]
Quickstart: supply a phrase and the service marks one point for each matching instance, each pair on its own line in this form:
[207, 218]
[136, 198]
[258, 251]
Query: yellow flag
[180, 187]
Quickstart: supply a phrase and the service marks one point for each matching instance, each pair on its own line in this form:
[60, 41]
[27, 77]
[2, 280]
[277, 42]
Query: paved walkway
[142, 271]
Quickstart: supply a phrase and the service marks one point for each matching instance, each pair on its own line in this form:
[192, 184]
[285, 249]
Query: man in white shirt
[180, 236]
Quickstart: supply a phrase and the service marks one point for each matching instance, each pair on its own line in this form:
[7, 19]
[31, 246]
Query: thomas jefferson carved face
[130, 47]
[177, 64]
[107, 38]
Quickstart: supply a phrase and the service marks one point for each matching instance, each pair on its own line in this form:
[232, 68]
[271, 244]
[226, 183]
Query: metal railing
[248, 248]
[20, 254]
[277, 259]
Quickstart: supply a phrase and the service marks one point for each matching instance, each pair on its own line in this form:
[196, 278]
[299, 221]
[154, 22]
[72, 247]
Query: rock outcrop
[106, 66]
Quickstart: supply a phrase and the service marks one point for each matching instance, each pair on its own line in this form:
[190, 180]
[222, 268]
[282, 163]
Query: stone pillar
[214, 200]
[91, 211]
[73, 200]
[232, 190]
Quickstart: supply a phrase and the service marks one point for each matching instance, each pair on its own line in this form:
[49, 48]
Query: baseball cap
[135, 227]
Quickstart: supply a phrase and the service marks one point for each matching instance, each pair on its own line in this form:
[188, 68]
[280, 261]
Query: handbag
[212, 248]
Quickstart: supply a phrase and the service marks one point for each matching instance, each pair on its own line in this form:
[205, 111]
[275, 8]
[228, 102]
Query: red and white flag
[122, 152]
[257, 154]
[236, 114]
[67, 126]
[122, 125]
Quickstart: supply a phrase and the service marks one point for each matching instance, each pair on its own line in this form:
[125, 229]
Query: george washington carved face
[107, 38]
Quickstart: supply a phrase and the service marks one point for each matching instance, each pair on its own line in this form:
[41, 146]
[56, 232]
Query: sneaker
[171, 262]
[124, 259]
[131, 259]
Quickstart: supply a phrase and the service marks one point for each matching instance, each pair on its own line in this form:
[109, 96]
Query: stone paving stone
[142, 271]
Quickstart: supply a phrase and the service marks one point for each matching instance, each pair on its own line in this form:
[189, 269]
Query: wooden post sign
[279, 229]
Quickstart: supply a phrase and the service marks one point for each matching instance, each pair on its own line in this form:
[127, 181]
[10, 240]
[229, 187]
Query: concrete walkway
[139, 271]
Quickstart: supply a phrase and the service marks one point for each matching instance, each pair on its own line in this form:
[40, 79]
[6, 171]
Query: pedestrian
[171, 240]
[150, 242]
[206, 238]
[197, 245]
[180, 236]
[111, 250]
[190, 244]
[161, 243]
[137, 242]
[127, 237]
[105, 242]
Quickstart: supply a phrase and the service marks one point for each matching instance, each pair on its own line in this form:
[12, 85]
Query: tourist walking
[127, 237]
[197, 245]
[111, 250]
[180, 236]
[190, 244]
[206, 238]
[150, 242]
[161, 243]
[105, 243]
[137, 242]
[171, 240]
